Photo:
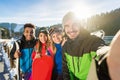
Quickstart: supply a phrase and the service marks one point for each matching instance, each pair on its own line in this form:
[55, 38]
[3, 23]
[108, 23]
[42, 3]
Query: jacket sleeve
[12, 52]
[66, 75]
[97, 43]
[33, 55]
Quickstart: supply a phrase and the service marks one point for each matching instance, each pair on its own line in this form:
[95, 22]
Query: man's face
[71, 29]
[29, 33]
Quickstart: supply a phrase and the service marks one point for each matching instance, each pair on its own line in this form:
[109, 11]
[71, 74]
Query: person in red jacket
[43, 56]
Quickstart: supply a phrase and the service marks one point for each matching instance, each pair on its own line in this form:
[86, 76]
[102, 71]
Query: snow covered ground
[5, 71]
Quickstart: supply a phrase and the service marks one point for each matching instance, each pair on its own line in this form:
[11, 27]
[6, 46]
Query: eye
[53, 36]
[75, 24]
[26, 31]
[40, 35]
[66, 26]
[31, 32]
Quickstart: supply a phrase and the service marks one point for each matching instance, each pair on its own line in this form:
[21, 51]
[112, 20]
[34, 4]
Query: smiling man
[26, 44]
[79, 50]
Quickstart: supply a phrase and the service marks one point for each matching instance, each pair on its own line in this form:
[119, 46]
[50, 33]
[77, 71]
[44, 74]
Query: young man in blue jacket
[26, 44]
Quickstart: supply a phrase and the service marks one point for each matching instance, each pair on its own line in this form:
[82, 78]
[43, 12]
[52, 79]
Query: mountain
[14, 27]
[108, 22]
[5, 25]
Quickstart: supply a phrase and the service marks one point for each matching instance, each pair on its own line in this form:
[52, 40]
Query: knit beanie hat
[43, 30]
[55, 30]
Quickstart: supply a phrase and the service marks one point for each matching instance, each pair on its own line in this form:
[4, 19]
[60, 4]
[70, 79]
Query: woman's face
[43, 37]
[57, 38]
[72, 29]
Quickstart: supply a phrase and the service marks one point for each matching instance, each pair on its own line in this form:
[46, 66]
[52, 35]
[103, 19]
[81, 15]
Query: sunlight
[82, 11]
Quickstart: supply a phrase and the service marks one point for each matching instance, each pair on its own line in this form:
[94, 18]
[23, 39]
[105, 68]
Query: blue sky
[49, 12]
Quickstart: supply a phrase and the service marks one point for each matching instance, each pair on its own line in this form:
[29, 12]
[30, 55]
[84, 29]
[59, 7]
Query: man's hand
[17, 54]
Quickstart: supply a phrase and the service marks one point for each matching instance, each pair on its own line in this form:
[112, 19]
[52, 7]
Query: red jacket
[42, 67]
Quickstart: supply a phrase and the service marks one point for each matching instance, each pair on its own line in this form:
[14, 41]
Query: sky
[50, 12]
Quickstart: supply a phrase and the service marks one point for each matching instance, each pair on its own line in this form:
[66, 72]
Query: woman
[42, 56]
[56, 34]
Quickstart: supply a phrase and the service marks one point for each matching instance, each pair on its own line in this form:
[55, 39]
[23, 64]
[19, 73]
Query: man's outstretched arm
[113, 59]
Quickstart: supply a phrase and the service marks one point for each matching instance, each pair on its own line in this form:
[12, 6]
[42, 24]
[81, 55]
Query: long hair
[49, 43]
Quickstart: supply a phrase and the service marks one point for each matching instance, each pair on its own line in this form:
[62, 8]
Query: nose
[71, 28]
[44, 37]
[29, 34]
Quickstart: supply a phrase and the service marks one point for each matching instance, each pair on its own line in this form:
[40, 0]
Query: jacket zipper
[73, 64]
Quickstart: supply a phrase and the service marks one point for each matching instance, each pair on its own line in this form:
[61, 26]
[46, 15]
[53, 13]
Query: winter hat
[43, 30]
[53, 30]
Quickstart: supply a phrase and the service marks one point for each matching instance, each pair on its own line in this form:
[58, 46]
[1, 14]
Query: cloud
[45, 12]
[38, 13]
[36, 21]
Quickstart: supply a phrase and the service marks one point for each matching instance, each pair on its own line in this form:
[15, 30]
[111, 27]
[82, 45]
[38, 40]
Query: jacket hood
[81, 45]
